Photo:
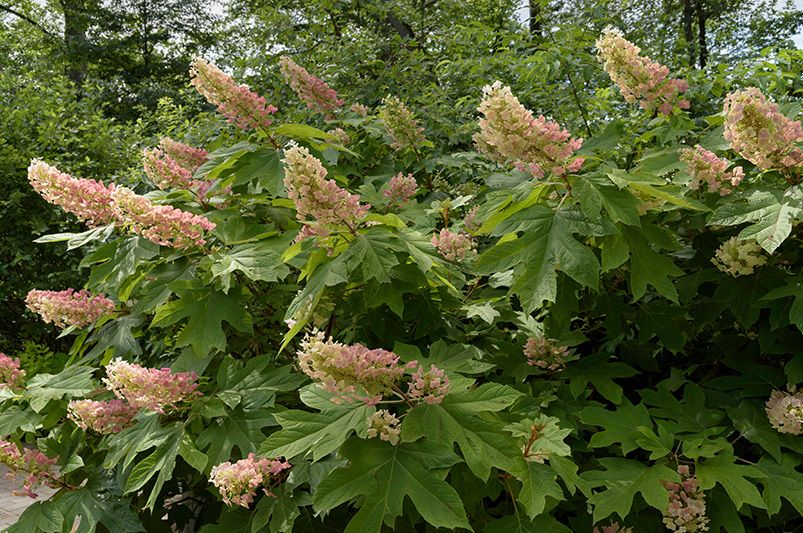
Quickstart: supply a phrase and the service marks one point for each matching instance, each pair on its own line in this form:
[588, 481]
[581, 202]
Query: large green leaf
[547, 244]
[91, 508]
[537, 483]
[724, 469]
[600, 371]
[241, 429]
[159, 463]
[72, 382]
[258, 261]
[620, 426]
[781, 480]
[770, 212]
[623, 479]
[318, 434]
[465, 417]
[382, 476]
[204, 309]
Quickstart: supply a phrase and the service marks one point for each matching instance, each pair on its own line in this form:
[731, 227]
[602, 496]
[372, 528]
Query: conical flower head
[400, 123]
[639, 78]
[320, 203]
[510, 134]
[311, 90]
[760, 133]
[236, 102]
[69, 307]
[89, 200]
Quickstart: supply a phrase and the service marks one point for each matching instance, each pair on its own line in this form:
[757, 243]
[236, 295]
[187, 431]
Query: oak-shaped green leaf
[600, 371]
[623, 479]
[620, 426]
[381, 476]
[466, 417]
[537, 483]
[317, 433]
[159, 463]
[781, 480]
[724, 469]
[204, 309]
[258, 261]
[72, 382]
[241, 429]
[770, 212]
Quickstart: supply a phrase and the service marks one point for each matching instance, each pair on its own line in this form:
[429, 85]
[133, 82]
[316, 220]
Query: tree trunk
[688, 32]
[76, 23]
[535, 18]
[701, 37]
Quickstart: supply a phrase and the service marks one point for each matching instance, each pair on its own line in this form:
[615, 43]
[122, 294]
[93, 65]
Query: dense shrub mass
[344, 325]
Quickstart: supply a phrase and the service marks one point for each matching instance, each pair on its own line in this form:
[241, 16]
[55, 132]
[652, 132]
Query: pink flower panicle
[385, 425]
[186, 156]
[161, 224]
[154, 389]
[705, 167]
[164, 171]
[686, 509]
[400, 124]
[37, 467]
[509, 134]
[236, 102]
[104, 417]
[613, 528]
[68, 307]
[430, 386]
[454, 246]
[359, 109]
[546, 353]
[352, 372]
[311, 90]
[89, 200]
[238, 482]
[400, 189]
[639, 78]
[320, 203]
[11, 375]
[470, 222]
[340, 136]
[760, 133]
[785, 411]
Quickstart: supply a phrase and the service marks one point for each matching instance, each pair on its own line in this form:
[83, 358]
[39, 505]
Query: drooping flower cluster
[359, 109]
[546, 353]
[760, 133]
[238, 482]
[739, 258]
[68, 307]
[400, 189]
[785, 411]
[385, 425]
[236, 102]
[36, 466]
[614, 527]
[89, 200]
[454, 246]
[161, 224]
[320, 204]
[470, 222]
[431, 386]
[351, 372]
[104, 417]
[400, 124]
[172, 164]
[187, 156]
[705, 167]
[155, 389]
[164, 171]
[311, 90]
[639, 78]
[510, 134]
[340, 136]
[11, 375]
[686, 509]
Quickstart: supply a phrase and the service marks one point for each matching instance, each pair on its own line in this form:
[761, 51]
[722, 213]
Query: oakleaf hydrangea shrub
[309, 327]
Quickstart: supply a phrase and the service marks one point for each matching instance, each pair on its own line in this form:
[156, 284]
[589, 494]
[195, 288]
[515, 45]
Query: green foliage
[668, 360]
